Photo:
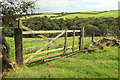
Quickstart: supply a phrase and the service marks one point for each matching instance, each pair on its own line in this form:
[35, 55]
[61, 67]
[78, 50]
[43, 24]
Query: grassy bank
[100, 64]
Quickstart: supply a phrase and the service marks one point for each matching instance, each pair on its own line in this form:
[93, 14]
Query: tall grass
[102, 64]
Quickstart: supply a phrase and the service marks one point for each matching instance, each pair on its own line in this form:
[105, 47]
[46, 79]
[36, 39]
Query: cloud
[104, 5]
[76, 5]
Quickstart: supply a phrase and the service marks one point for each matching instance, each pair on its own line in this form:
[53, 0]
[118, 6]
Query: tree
[11, 11]
[114, 30]
[73, 27]
[90, 29]
[103, 29]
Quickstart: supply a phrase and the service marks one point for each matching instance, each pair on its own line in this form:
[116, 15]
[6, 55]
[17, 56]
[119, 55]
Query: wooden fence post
[18, 23]
[80, 40]
[65, 45]
[48, 48]
[73, 40]
[83, 39]
[93, 36]
[18, 45]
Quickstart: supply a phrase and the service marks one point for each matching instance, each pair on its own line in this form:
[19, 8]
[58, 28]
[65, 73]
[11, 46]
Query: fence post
[73, 40]
[18, 23]
[93, 36]
[18, 45]
[65, 45]
[80, 40]
[48, 48]
[83, 39]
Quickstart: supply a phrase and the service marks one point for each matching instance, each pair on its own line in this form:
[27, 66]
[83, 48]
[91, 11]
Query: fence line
[36, 59]
[50, 31]
[31, 41]
[51, 45]
[43, 47]
[19, 49]
[53, 50]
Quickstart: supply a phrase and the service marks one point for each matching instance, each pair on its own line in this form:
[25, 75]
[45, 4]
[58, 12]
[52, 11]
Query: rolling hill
[77, 14]
[86, 15]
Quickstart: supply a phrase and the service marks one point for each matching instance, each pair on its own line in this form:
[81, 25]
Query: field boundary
[30, 57]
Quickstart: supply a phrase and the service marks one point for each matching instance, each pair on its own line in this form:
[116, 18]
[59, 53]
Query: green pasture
[37, 44]
[99, 64]
[86, 15]
[80, 15]
[40, 15]
[71, 16]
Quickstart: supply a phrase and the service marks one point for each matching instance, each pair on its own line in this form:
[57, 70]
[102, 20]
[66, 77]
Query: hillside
[77, 14]
[39, 15]
[86, 15]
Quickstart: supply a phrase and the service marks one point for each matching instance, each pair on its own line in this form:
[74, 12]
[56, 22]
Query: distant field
[79, 14]
[41, 15]
[90, 14]
[82, 15]
[108, 14]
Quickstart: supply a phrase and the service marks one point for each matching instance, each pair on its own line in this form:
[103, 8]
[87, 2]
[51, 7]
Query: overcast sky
[76, 5]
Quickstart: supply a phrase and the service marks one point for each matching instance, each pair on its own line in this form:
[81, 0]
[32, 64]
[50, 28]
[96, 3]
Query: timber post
[83, 39]
[18, 45]
[48, 48]
[65, 44]
[18, 23]
[80, 40]
[73, 40]
[93, 36]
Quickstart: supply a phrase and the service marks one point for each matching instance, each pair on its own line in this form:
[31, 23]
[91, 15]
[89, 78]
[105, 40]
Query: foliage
[13, 9]
[101, 26]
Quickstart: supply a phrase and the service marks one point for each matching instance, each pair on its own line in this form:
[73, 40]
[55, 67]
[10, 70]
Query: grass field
[102, 64]
[37, 44]
[41, 15]
[96, 15]
[99, 64]
[80, 15]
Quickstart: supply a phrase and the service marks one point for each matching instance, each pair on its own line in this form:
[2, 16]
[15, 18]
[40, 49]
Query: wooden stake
[48, 48]
[18, 45]
[83, 39]
[18, 23]
[65, 46]
[80, 40]
[93, 36]
[73, 40]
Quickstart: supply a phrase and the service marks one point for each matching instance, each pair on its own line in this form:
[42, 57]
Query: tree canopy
[13, 9]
